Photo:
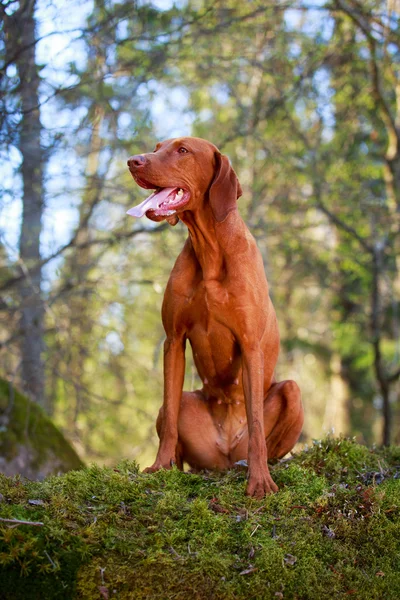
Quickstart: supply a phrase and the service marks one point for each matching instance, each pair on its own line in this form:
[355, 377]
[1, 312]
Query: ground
[332, 531]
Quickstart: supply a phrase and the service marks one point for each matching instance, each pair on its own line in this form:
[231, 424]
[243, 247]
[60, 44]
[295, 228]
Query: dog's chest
[207, 310]
[208, 301]
[215, 349]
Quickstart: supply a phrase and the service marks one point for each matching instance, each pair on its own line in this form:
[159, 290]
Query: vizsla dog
[217, 298]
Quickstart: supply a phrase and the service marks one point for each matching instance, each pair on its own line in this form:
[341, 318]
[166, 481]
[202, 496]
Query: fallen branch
[18, 522]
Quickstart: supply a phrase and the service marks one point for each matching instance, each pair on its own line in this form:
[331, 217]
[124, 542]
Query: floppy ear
[225, 188]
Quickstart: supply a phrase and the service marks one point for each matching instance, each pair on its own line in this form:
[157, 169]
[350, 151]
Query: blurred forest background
[304, 97]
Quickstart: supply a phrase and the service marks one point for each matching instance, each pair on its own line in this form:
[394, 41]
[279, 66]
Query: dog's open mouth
[163, 202]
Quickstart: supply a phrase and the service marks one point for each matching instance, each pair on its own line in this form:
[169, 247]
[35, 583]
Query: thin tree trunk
[22, 39]
[390, 118]
[80, 265]
[336, 417]
[382, 380]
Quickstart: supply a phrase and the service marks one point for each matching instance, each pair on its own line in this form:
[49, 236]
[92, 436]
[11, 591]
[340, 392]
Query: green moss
[330, 532]
[28, 434]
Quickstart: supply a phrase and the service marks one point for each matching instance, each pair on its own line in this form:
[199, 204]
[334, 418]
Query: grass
[332, 531]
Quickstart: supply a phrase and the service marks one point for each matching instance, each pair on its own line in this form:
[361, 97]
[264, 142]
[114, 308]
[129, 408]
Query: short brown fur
[217, 298]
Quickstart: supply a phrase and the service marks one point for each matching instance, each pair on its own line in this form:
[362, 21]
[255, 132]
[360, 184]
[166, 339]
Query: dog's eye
[182, 150]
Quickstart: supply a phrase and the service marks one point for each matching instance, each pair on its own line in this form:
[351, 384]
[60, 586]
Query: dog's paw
[261, 486]
[160, 465]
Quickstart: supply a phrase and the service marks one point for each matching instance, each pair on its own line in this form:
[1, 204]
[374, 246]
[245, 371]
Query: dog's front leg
[260, 481]
[174, 372]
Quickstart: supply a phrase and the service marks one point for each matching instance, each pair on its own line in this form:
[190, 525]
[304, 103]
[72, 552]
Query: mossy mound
[30, 444]
[332, 531]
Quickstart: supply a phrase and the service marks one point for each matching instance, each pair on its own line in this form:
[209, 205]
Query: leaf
[249, 570]
[241, 464]
[36, 502]
[289, 559]
[328, 532]
[216, 507]
[104, 592]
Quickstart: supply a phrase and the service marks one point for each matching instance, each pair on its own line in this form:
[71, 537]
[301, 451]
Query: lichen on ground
[332, 531]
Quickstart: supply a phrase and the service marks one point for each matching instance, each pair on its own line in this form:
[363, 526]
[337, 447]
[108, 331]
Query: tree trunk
[336, 417]
[79, 266]
[381, 378]
[32, 309]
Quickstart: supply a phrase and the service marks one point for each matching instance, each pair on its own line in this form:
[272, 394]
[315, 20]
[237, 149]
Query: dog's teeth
[180, 192]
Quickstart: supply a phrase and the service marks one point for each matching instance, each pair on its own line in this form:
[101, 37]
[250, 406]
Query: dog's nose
[136, 161]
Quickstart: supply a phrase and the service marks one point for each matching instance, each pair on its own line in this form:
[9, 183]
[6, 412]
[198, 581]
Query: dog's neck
[206, 236]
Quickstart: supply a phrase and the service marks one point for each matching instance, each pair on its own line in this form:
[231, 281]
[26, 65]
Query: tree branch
[344, 226]
[362, 23]
[391, 378]
[19, 522]
[111, 240]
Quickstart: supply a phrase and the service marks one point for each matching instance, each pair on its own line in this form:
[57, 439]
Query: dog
[217, 299]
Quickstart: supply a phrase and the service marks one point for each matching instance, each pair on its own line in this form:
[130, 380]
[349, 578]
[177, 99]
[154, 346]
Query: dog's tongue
[151, 203]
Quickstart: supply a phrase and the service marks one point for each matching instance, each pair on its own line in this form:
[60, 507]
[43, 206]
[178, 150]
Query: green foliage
[330, 531]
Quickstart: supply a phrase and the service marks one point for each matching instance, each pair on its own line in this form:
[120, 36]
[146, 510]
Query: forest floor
[332, 531]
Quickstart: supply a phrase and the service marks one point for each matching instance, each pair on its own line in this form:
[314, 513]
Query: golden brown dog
[217, 298]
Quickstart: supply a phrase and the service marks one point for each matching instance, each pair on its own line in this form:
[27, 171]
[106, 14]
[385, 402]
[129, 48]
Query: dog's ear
[225, 188]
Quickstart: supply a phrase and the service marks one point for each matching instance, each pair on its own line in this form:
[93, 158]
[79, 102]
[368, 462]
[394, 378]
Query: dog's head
[185, 173]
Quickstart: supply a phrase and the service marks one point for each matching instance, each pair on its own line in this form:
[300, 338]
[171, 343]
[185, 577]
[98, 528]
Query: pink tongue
[152, 202]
